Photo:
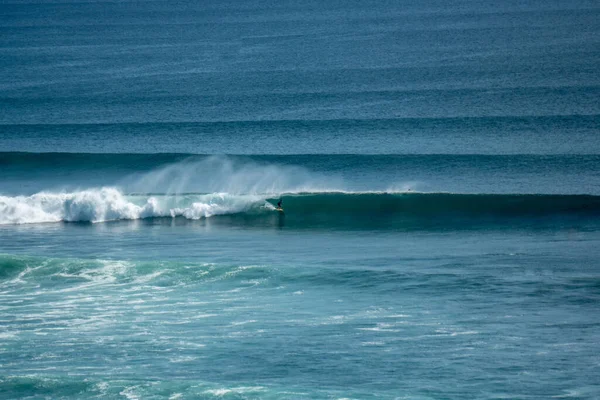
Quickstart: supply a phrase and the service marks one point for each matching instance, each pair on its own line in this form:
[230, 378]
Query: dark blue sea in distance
[438, 164]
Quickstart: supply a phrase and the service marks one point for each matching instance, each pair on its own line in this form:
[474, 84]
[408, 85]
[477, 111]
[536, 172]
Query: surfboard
[279, 209]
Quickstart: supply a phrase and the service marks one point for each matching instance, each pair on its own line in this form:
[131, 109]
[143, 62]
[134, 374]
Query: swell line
[304, 208]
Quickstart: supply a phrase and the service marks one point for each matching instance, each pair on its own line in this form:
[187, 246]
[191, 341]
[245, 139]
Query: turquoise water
[438, 164]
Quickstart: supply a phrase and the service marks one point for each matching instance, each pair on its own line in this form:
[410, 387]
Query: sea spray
[228, 174]
[218, 184]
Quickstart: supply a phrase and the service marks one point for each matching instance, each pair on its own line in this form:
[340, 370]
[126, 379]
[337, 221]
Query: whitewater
[109, 204]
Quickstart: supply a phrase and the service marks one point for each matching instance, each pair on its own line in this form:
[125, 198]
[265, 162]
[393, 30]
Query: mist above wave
[225, 174]
[221, 185]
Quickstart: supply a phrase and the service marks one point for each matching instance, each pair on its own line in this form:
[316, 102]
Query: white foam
[243, 322]
[236, 390]
[108, 204]
[375, 343]
[89, 205]
[128, 393]
[182, 359]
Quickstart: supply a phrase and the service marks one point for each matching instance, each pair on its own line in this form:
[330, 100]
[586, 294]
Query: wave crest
[305, 209]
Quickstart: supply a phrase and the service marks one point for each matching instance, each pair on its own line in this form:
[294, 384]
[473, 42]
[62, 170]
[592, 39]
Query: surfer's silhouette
[279, 204]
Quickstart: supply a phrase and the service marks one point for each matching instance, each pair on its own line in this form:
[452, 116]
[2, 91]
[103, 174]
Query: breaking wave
[108, 204]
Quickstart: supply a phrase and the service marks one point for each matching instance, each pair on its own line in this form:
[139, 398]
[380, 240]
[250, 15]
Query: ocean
[438, 165]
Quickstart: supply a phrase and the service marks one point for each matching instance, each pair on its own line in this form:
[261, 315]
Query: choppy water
[438, 164]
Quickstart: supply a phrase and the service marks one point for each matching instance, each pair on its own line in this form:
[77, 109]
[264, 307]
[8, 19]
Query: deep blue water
[438, 164]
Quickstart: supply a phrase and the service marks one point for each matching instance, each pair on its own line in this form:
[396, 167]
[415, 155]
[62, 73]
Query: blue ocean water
[438, 163]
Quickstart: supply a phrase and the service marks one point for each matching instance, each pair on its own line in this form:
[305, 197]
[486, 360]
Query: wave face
[107, 204]
[430, 204]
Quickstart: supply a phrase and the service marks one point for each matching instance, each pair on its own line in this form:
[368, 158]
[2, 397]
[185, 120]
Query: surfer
[279, 204]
